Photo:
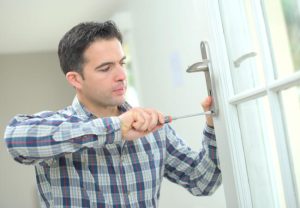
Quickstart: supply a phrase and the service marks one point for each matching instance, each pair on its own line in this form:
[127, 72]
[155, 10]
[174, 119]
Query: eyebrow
[109, 63]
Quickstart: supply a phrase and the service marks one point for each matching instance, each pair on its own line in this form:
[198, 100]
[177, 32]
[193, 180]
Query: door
[255, 57]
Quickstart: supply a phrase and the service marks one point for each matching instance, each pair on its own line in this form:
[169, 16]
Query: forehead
[104, 49]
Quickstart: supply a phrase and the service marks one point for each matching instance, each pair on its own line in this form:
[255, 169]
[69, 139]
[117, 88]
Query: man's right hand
[139, 122]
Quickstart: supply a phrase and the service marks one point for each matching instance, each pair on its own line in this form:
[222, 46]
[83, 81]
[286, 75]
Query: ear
[74, 79]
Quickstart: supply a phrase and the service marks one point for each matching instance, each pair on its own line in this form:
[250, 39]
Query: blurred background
[161, 39]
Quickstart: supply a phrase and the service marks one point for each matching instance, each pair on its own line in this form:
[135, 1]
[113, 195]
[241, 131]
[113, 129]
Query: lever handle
[206, 67]
[242, 58]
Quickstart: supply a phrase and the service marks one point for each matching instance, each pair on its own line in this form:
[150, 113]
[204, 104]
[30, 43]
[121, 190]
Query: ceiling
[37, 25]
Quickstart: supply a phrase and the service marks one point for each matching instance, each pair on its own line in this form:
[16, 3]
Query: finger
[147, 120]
[207, 102]
[153, 118]
[157, 127]
[138, 119]
[157, 119]
[154, 121]
[161, 118]
[142, 120]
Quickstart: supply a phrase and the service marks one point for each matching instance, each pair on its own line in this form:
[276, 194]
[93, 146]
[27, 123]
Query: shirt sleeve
[34, 138]
[198, 172]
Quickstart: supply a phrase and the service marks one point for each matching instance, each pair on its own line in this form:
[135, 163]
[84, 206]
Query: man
[100, 152]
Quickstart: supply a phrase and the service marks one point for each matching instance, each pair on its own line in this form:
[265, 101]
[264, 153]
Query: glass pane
[283, 18]
[261, 154]
[243, 42]
[291, 105]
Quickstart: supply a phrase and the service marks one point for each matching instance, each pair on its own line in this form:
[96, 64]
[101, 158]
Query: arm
[34, 138]
[199, 172]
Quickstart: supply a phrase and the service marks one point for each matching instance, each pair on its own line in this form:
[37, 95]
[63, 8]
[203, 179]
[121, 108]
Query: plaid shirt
[82, 161]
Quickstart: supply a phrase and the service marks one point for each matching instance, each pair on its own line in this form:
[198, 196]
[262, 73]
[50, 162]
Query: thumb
[206, 103]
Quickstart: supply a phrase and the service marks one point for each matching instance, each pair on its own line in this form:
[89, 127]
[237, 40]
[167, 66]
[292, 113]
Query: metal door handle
[206, 67]
[242, 58]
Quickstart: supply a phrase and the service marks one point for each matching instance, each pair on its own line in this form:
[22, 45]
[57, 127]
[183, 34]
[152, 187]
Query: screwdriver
[169, 119]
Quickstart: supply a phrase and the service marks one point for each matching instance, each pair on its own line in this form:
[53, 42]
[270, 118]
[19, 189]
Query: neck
[103, 111]
[99, 111]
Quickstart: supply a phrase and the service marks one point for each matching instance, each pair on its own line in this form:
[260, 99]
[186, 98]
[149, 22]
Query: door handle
[242, 58]
[206, 67]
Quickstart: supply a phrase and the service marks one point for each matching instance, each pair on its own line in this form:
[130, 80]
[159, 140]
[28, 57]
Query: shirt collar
[81, 110]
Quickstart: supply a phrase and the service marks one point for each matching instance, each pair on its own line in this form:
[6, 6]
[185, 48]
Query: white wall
[167, 36]
[28, 83]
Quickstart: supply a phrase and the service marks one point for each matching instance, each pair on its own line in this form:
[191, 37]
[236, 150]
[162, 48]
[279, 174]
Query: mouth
[120, 90]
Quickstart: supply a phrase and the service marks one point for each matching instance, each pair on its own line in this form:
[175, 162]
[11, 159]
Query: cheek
[98, 84]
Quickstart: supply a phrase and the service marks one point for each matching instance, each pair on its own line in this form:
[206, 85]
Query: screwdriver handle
[168, 119]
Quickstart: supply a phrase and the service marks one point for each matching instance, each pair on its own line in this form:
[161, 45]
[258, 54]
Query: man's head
[74, 43]
[92, 58]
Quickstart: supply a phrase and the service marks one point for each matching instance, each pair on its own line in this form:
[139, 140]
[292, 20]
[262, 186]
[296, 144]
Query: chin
[120, 101]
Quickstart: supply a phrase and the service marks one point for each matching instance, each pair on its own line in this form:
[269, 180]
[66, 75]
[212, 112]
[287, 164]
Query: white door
[255, 57]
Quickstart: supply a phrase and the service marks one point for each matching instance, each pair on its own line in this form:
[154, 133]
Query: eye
[104, 69]
[123, 63]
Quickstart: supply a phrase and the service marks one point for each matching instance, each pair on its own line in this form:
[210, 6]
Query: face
[104, 77]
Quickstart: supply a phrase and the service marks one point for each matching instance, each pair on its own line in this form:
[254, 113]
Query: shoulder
[42, 116]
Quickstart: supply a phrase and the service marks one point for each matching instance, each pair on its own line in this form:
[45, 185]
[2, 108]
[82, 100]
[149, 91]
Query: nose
[121, 73]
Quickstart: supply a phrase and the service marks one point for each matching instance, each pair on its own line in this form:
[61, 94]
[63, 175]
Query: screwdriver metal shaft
[169, 119]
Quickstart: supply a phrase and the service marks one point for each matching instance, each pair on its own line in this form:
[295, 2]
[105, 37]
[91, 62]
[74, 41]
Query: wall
[28, 83]
[167, 39]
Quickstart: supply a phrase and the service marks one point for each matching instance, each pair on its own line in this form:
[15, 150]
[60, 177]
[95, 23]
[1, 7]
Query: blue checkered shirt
[82, 161]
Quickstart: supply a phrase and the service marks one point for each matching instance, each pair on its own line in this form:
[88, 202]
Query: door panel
[255, 51]
[260, 152]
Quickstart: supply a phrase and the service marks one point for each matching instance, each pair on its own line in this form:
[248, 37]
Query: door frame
[234, 177]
